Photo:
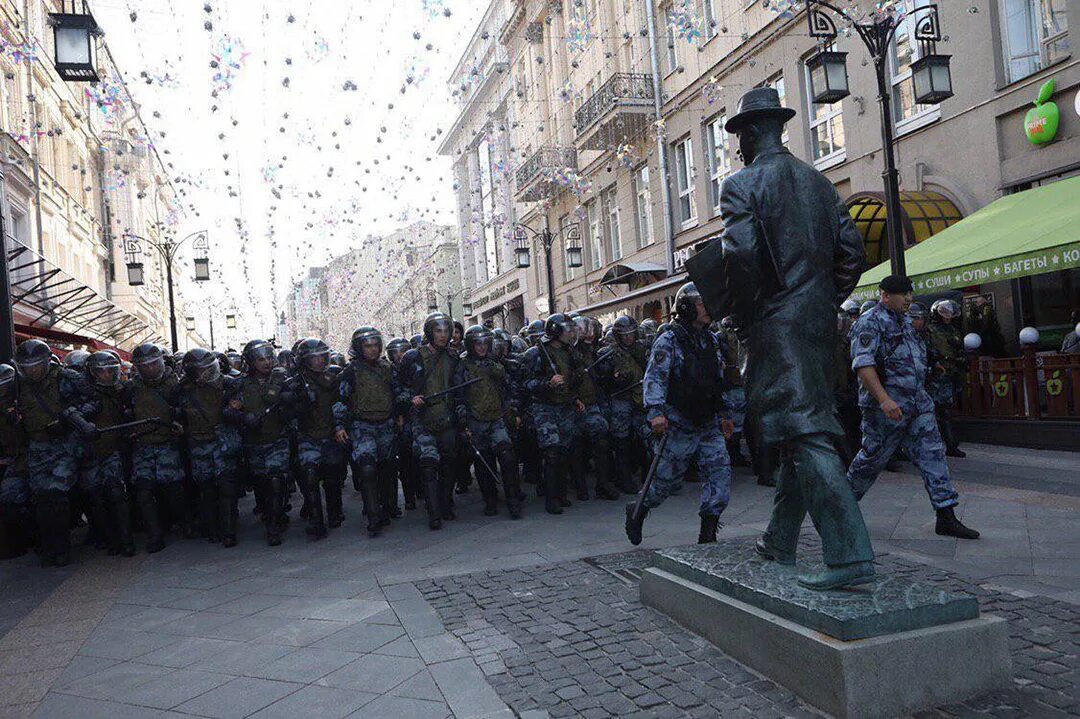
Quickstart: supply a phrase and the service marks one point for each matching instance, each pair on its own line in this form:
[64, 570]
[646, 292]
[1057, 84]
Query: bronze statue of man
[788, 256]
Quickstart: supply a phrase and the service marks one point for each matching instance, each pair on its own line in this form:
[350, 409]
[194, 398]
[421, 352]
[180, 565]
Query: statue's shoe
[839, 577]
[763, 549]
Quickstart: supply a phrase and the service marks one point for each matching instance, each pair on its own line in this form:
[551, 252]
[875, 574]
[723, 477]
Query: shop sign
[1052, 259]
[1041, 121]
[496, 293]
[680, 256]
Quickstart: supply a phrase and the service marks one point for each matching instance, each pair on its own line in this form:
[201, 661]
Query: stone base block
[884, 676]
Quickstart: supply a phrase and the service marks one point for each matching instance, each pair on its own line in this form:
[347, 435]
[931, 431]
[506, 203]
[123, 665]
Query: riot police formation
[165, 446]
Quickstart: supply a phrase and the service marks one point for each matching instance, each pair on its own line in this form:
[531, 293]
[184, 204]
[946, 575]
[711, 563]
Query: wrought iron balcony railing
[543, 163]
[622, 88]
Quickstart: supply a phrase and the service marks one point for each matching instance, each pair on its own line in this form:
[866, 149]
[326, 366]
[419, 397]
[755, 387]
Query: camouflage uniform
[621, 375]
[102, 472]
[887, 341]
[266, 444]
[425, 371]
[552, 413]
[592, 428]
[945, 385]
[683, 382]
[16, 519]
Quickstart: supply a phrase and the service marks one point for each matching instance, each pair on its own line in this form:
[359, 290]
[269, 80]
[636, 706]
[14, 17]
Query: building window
[644, 207]
[487, 203]
[719, 158]
[521, 79]
[826, 127]
[711, 13]
[611, 207]
[564, 225]
[596, 258]
[684, 181]
[777, 83]
[672, 43]
[1034, 33]
[904, 50]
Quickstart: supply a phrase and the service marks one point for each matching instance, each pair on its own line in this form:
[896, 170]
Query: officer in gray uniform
[683, 386]
[621, 373]
[890, 360]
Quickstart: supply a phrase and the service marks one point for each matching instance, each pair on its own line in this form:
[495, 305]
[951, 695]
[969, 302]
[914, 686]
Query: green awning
[1027, 233]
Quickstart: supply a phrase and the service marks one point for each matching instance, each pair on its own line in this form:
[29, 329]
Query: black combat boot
[275, 509]
[627, 482]
[579, 465]
[208, 511]
[429, 486]
[227, 512]
[369, 491]
[97, 508]
[176, 497]
[54, 521]
[489, 489]
[635, 520]
[949, 526]
[508, 467]
[316, 517]
[709, 524]
[446, 489]
[734, 448]
[119, 509]
[14, 537]
[148, 515]
[602, 467]
[407, 477]
[554, 481]
[388, 490]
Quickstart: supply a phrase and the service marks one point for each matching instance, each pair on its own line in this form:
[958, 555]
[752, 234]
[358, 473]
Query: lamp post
[572, 234]
[930, 77]
[466, 305]
[168, 250]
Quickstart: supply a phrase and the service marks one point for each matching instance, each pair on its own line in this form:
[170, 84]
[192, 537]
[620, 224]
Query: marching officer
[153, 395]
[205, 409]
[427, 372]
[482, 400]
[622, 373]
[264, 401]
[890, 360]
[370, 402]
[101, 474]
[592, 432]
[683, 387]
[395, 352]
[551, 382]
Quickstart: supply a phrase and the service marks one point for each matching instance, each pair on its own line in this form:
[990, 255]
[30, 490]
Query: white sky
[334, 190]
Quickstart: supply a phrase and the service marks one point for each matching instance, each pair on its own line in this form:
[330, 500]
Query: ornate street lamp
[135, 274]
[574, 255]
[521, 248]
[828, 77]
[572, 234]
[73, 35]
[930, 77]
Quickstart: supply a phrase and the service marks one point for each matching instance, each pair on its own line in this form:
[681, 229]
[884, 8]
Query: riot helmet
[201, 365]
[286, 359]
[867, 306]
[149, 361]
[76, 359]
[258, 357]
[478, 340]
[8, 378]
[850, 307]
[664, 327]
[396, 349]
[337, 360]
[625, 330]
[560, 327]
[917, 311]
[366, 343]
[416, 340]
[500, 343]
[103, 369]
[945, 310]
[647, 329]
[686, 302]
[226, 365]
[535, 331]
[518, 345]
[32, 358]
[313, 355]
[438, 329]
[236, 360]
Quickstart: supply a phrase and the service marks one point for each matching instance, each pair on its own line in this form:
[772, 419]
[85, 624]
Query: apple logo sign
[1041, 121]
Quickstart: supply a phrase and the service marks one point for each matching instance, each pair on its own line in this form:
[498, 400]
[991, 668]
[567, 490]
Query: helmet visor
[106, 375]
[315, 361]
[151, 368]
[262, 352]
[209, 372]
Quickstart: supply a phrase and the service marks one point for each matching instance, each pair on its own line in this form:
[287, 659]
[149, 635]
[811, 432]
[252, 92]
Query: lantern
[933, 82]
[190, 324]
[135, 274]
[521, 247]
[828, 77]
[73, 35]
[202, 269]
[230, 322]
[466, 307]
[573, 256]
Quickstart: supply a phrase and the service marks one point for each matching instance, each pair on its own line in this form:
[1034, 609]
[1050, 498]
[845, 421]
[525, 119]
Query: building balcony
[619, 111]
[538, 177]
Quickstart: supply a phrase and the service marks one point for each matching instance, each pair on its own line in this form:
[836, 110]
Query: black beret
[896, 284]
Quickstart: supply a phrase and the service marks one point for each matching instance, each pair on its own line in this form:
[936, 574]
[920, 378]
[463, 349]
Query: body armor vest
[438, 371]
[111, 412]
[259, 395]
[564, 394]
[317, 419]
[151, 400]
[630, 364]
[41, 407]
[586, 388]
[484, 399]
[695, 390]
[203, 406]
[373, 391]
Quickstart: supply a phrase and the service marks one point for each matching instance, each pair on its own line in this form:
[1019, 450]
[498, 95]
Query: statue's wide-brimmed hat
[759, 102]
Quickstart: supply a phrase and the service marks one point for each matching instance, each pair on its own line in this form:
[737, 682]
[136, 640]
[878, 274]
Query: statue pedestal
[884, 649]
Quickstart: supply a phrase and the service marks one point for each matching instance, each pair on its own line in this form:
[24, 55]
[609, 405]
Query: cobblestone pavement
[574, 640]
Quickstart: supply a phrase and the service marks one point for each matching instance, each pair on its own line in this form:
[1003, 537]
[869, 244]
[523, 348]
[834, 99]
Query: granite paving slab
[890, 604]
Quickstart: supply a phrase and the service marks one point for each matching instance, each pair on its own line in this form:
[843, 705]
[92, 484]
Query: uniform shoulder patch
[866, 339]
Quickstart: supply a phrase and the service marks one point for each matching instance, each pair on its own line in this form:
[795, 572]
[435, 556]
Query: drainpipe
[34, 143]
[661, 149]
